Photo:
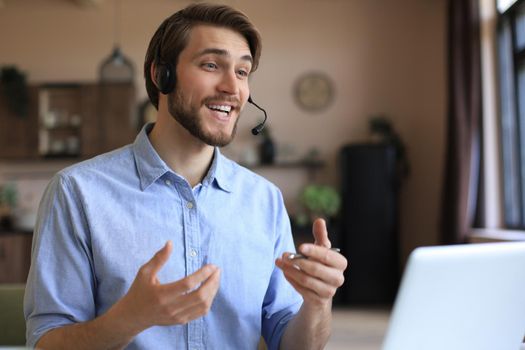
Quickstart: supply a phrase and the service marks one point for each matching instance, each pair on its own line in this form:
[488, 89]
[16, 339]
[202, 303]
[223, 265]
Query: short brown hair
[172, 37]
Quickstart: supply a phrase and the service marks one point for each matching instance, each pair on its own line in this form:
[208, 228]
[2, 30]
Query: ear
[153, 74]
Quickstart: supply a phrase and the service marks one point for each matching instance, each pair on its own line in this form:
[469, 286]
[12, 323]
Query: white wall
[385, 57]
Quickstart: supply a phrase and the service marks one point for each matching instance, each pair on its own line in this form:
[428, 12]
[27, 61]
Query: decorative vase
[267, 151]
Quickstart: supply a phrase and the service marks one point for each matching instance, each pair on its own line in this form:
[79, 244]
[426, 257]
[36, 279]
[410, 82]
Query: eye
[209, 66]
[243, 73]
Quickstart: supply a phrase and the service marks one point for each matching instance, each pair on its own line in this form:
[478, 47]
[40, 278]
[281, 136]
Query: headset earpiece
[165, 78]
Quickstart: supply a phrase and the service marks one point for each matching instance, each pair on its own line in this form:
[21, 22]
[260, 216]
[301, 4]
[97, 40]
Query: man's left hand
[317, 277]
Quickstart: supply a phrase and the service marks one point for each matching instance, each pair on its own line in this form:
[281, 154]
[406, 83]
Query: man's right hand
[150, 303]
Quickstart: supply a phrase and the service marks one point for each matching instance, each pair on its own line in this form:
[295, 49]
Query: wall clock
[314, 91]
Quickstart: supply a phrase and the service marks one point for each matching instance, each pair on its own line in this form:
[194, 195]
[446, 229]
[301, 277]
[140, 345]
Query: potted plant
[317, 201]
[8, 201]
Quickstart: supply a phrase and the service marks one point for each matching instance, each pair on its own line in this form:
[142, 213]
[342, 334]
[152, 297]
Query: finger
[198, 302]
[324, 255]
[307, 282]
[306, 293]
[190, 282]
[321, 233]
[189, 314]
[327, 274]
[205, 292]
[158, 260]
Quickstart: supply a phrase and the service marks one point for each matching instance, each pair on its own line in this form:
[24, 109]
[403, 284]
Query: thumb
[158, 260]
[321, 233]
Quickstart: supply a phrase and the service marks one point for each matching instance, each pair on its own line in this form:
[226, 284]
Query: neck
[181, 151]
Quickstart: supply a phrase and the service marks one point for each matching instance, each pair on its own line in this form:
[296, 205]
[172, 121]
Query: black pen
[301, 256]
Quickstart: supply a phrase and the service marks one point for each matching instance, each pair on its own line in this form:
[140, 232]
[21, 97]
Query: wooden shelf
[312, 165]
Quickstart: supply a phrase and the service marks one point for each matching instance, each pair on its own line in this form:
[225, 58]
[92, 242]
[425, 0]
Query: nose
[229, 83]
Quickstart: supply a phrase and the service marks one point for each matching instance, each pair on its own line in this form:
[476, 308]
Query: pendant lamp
[116, 68]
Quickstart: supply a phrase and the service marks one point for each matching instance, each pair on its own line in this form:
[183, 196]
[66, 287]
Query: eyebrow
[221, 52]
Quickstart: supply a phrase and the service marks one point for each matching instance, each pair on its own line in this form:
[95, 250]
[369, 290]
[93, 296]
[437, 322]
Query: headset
[165, 76]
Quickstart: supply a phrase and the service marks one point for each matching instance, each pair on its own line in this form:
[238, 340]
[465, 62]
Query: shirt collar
[221, 171]
[151, 167]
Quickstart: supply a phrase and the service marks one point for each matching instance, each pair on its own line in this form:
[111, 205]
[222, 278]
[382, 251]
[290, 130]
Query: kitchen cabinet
[69, 120]
[15, 256]
[117, 124]
[19, 134]
[60, 120]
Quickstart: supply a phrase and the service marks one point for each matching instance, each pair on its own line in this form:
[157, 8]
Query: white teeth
[222, 108]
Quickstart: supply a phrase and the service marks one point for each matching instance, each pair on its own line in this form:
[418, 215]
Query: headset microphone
[259, 127]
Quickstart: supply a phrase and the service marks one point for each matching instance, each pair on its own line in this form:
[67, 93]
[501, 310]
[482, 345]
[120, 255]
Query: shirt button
[168, 182]
[193, 253]
[189, 205]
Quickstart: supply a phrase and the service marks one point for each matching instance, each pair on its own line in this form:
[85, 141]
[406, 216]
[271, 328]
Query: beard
[188, 116]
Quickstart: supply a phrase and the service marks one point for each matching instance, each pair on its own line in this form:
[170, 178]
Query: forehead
[204, 37]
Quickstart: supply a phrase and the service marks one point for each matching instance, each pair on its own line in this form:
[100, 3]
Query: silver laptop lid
[461, 297]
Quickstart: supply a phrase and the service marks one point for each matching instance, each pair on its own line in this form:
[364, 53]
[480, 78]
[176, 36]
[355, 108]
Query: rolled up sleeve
[61, 283]
[282, 301]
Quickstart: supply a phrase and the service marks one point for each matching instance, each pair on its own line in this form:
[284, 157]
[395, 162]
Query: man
[223, 275]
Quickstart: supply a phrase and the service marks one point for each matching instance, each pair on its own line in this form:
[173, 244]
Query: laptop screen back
[461, 297]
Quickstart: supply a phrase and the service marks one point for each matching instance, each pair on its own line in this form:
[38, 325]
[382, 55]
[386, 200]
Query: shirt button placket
[195, 326]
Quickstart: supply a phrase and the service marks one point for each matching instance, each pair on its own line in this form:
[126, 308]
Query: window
[511, 57]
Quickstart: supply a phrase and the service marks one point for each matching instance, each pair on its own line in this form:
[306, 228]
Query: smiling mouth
[225, 109]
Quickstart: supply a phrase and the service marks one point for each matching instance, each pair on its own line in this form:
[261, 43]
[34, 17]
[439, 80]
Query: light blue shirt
[102, 219]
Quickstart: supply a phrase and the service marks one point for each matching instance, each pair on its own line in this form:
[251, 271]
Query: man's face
[212, 84]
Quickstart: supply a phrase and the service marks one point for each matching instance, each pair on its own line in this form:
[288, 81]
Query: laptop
[461, 297]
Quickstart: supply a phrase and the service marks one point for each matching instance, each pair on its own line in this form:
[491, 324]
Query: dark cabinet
[69, 120]
[369, 223]
[15, 257]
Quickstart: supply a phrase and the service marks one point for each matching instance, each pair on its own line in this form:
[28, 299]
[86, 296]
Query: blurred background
[358, 95]
[380, 58]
